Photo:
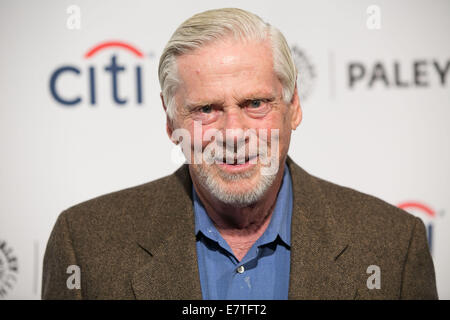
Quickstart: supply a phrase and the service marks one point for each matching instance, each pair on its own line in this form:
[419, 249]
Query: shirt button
[240, 269]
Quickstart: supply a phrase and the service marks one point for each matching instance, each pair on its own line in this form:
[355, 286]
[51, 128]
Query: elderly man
[239, 220]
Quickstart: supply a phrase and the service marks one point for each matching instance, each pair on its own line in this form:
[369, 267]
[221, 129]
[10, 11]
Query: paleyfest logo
[418, 73]
[425, 213]
[113, 68]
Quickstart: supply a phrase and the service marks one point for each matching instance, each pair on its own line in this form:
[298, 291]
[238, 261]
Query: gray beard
[235, 198]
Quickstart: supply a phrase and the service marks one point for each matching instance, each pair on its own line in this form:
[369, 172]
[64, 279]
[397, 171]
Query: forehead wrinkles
[220, 63]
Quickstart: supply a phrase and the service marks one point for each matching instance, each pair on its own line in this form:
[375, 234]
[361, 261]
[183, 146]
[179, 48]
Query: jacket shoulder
[114, 203]
[357, 206]
[369, 222]
[118, 211]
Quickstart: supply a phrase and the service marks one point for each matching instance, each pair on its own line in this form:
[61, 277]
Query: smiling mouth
[236, 161]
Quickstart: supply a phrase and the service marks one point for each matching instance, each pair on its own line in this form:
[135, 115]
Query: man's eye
[255, 103]
[206, 109]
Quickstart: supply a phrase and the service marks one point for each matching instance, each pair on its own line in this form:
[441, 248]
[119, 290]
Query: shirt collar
[279, 225]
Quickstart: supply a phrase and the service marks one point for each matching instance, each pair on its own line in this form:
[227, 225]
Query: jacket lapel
[167, 240]
[320, 259]
[171, 273]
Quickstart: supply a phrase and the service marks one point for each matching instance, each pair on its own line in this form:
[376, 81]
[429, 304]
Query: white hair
[206, 27]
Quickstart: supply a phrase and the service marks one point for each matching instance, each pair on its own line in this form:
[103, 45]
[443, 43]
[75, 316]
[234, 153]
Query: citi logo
[114, 69]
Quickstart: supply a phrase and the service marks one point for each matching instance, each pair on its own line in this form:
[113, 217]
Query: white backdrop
[376, 105]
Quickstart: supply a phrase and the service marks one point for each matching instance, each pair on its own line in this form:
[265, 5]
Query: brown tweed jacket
[139, 243]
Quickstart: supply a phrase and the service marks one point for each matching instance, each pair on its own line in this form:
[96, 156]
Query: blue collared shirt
[264, 271]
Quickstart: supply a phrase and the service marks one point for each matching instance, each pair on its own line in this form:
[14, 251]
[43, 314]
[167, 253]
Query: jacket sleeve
[418, 280]
[59, 264]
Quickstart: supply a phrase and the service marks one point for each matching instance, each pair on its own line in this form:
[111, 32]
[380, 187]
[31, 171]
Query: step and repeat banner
[80, 112]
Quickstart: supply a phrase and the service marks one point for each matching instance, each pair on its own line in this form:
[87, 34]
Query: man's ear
[169, 122]
[296, 110]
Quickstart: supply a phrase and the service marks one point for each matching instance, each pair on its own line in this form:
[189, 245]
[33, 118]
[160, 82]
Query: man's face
[230, 86]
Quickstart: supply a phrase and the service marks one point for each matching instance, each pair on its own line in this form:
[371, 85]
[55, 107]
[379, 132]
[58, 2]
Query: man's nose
[234, 126]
